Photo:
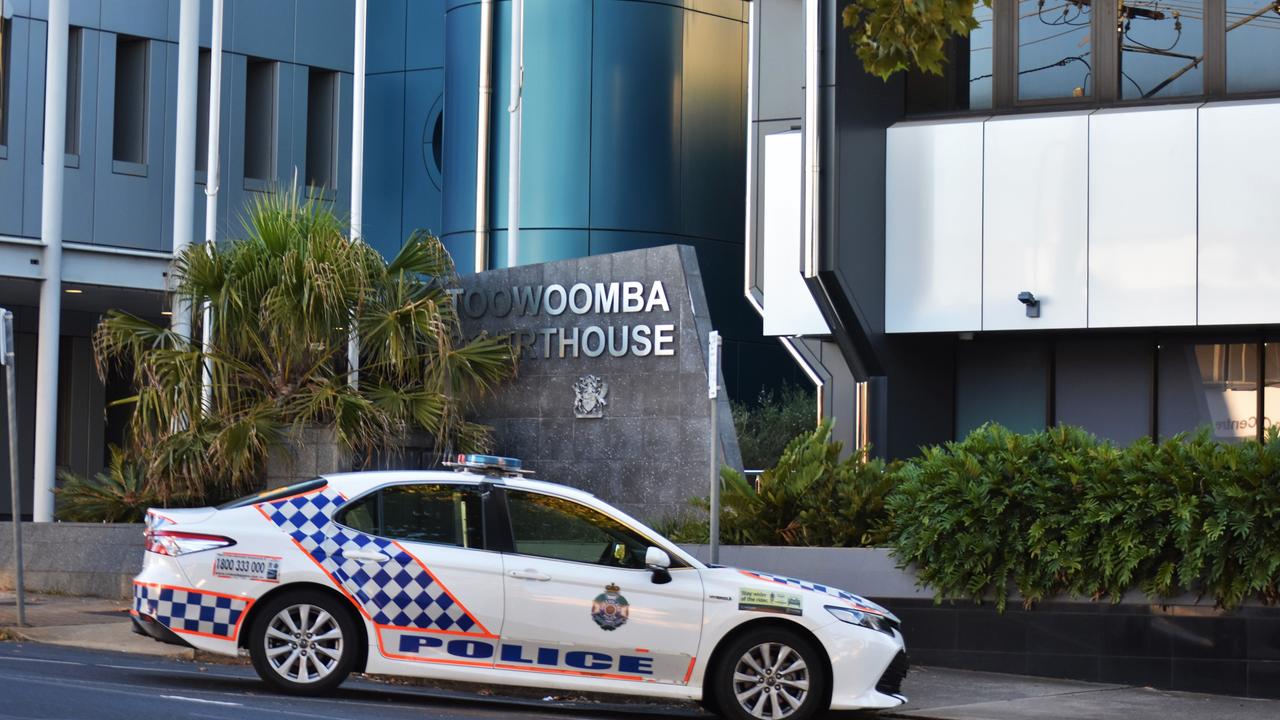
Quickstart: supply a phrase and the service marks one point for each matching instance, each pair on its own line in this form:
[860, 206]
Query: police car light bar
[489, 463]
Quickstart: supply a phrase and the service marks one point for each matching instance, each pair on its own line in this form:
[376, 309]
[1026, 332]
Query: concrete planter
[96, 559]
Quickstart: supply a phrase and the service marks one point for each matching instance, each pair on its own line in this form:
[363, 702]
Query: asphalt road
[44, 682]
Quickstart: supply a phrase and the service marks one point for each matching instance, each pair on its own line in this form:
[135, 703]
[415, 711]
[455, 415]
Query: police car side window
[552, 527]
[441, 514]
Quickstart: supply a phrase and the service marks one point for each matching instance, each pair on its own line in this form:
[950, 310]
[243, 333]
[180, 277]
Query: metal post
[184, 154]
[713, 392]
[357, 172]
[55, 135]
[484, 93]
[213, 176]
[516, 111]
[8, 358]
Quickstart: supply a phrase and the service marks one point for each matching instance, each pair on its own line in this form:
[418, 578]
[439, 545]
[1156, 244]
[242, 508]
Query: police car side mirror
[657, 560]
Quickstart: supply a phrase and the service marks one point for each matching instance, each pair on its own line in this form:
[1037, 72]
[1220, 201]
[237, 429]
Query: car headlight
[870, 621]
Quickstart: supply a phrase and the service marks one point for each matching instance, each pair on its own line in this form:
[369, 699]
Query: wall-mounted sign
[602, 301]
[611, 392]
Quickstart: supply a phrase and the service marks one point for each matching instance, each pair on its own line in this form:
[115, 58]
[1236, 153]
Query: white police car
[481, 575]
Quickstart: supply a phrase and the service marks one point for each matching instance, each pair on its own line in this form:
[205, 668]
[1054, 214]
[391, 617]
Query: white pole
[212, 178]
[357, 174]
[485, 92]
[55, 136]
[184, 156]
[516, 111]
[713, 393]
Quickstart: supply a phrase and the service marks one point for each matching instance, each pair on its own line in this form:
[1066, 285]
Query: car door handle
[530, 575]
[366, 556]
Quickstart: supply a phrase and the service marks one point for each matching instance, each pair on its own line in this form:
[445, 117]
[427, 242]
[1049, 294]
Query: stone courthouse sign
[611, 395]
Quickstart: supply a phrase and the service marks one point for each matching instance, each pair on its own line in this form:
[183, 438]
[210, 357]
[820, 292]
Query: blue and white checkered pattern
[811, 586]
[398, 592]
[184, 610]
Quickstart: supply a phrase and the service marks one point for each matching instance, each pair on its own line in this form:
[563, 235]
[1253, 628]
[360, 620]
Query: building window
[980, 44]
[1253, 46]
[1161, 49]
[129, 141]
[322, 125]
[75, 38]
[1055, 49]
[5, 34]
[1208, 384]
[1037, 53]
[260, 120]
[202, 111]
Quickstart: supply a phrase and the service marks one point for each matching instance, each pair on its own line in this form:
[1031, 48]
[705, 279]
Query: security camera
[1033, 305]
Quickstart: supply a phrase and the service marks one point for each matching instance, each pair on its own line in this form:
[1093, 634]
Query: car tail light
[175, 543]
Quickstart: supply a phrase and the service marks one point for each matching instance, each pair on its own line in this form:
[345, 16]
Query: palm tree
[283, 300]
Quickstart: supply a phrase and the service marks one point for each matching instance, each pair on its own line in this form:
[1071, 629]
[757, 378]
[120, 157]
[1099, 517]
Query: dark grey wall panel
[557, 112]
[78, 172]
[325, 37]
[388, 26]
[713, 127]
[780, 59]
[144, 18]
[635, 116]
[13, 152]
[384, 160]
[127, 200]
[422, 181]
[261, 28]
[424, 35]
[1105, 385]
[1005, 381]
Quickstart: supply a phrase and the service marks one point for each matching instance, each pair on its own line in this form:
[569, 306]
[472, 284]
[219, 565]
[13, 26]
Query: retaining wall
[97, 559]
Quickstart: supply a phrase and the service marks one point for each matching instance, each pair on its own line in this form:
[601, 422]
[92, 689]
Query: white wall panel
[1142, 217]
[789, 307]
[1036, 221]
[1239, 213]
[933, 238]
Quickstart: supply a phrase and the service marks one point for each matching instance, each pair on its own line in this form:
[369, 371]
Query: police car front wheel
[304, 642]
[770, 674]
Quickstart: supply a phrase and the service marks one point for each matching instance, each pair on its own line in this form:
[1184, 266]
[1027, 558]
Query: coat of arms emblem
[589, 397]
[610, 609]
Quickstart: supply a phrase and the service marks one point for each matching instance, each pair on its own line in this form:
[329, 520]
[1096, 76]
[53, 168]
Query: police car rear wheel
[304, 643]
[770, 674]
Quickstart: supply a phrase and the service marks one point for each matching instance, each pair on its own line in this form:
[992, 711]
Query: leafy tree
[765, 427]
[894, 35]
[283, 300]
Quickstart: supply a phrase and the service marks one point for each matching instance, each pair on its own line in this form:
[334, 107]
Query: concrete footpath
[83, 622]
[936, 693]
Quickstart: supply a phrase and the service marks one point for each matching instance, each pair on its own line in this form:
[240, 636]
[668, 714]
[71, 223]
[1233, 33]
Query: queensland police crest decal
[610, 610]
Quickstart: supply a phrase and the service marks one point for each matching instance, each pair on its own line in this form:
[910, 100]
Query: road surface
[45, 682]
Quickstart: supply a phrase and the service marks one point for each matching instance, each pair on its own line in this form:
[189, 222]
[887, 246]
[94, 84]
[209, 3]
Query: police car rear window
[276, 494]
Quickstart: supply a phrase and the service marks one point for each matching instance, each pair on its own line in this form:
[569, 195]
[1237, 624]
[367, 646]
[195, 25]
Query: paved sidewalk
[945, 694]
[84, 622]
[936, 693]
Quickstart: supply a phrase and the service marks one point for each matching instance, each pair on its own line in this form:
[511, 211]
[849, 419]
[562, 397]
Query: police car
[480, 574]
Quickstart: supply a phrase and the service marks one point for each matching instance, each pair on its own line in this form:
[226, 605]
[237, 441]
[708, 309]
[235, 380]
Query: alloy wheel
[303, 643]
[771, 681]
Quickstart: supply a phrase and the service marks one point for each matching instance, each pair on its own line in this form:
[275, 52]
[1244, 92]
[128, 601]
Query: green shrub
[811, 497]
[118, 495]
[774, 420]
[1059, 512]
